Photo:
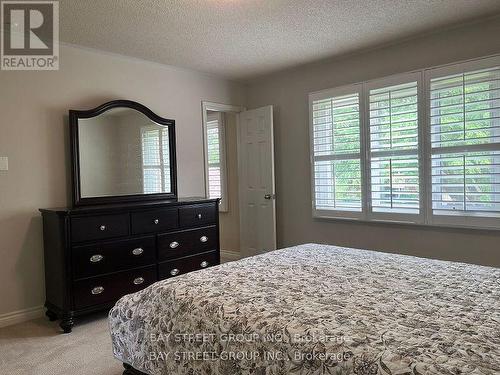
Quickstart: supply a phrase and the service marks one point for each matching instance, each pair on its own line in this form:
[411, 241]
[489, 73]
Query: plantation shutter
[465, 143]
[151, 161]
[166, 160]
[394, 149]
[336, 140]
[214, 158]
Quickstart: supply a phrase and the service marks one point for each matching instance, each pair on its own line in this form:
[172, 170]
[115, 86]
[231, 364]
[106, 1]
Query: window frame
[425, 217]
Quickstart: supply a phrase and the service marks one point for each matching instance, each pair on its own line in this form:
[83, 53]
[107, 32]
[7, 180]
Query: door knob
[269, 196]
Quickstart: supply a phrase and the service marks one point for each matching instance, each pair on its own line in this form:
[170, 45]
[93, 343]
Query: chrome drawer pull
[138, 280]
[102, 227]
[204, 264]
[174, 244]
[97, 290]
[198, 216]
[137, 251]
[203, 238]
[156, 221]
[174, 272]
[96, 258]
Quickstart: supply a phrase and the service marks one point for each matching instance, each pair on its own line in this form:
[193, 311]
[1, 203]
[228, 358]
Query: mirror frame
[75, 115]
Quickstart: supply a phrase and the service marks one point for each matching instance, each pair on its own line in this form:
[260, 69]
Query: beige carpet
[38, 348]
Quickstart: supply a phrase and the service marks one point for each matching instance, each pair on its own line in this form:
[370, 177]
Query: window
[215, 135]
[336, 140]
[368, 142]
[155, 160]
[465, 145]
[393, 107]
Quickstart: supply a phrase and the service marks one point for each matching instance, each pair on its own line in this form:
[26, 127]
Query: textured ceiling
[241, 39]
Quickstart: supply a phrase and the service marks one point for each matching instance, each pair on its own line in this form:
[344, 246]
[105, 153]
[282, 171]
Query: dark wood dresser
[96, 254]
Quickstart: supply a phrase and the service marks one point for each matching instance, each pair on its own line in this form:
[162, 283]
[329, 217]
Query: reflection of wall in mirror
[99, 156]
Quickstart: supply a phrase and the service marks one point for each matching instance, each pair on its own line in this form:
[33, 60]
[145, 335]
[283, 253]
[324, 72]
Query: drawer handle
[174, 272]
[204, 264]
[97, 290]
[203, 238]
[137, 251]
[96, 258]
[174, 244]
[199, 216]
[156, 221]
[138, 280]
[102, 228]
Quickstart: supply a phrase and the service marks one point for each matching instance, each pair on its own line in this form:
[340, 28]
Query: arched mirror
[122, 152]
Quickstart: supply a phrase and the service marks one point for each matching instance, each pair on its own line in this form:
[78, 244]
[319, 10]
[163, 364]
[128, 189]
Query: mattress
[315, 309]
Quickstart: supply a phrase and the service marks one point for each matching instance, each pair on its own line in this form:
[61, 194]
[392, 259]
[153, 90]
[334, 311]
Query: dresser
[95, 254]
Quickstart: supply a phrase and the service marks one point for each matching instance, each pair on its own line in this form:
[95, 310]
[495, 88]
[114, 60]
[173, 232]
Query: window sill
[406, 223]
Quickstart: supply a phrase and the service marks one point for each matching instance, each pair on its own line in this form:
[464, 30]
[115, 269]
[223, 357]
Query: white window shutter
[393, 113]
[216, 153]
[336, 148]
[465, 145]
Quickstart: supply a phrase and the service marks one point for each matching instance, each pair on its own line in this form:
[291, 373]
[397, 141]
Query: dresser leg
[51, 315]
[67, 323]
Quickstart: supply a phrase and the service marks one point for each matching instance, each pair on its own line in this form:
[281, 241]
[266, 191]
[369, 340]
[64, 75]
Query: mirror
[122, 152]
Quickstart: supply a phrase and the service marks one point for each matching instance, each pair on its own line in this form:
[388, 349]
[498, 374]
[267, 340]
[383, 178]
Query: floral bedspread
[315, 309]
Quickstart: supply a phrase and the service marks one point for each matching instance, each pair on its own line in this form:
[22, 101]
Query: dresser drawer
[106, 257]
[90, 228]
[196, 215]
[187, 242]
[187, 264]
[109, 288]
[154, 220]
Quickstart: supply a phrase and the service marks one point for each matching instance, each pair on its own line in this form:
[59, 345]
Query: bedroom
[182, 59]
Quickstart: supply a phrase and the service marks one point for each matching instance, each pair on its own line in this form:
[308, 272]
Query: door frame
[216, 107]
[236, 109]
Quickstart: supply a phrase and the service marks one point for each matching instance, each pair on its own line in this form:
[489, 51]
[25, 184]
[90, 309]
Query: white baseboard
[21, 316]
[229, 256]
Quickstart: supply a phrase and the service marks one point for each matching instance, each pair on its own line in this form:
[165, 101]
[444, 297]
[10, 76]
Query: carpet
[37, 347]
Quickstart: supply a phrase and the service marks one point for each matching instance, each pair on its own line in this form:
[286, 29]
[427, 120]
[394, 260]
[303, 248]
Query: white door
[256, 181]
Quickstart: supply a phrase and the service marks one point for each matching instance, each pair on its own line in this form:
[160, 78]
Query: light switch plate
[4, 163]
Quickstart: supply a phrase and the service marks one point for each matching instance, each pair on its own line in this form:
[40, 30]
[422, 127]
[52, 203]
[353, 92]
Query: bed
[314, 309]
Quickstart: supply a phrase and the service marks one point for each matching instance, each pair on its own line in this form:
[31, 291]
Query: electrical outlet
[4, 163]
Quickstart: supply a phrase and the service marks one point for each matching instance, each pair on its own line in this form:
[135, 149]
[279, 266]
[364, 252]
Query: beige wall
[230, 220]
[288, 91]
[34, 135]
